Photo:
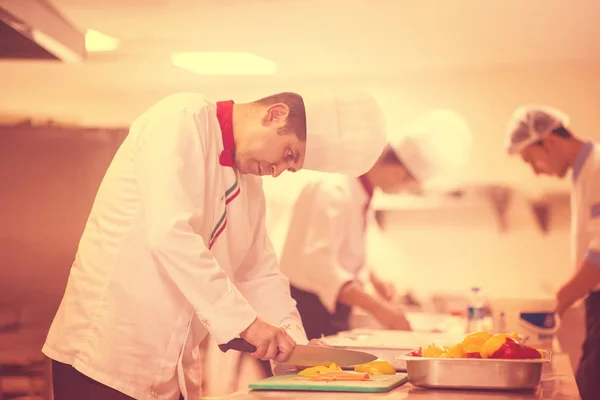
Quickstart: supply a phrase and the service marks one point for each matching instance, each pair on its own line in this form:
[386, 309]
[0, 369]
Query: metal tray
[475, 373]
[389, 345]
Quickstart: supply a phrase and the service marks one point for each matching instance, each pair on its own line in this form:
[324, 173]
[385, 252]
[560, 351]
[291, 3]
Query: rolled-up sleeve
[170, 171]
[266, 288]
[326, 226]
[592, 254]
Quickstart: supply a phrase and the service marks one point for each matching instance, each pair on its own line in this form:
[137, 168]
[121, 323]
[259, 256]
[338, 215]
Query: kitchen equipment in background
[36, 30]
[379, 383]
[419, 321]
[474, 373]
[390, 345]
[533, 319]
[475, 317]
[309, 356]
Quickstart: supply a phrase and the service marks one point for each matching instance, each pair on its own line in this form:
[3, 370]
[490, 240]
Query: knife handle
[239, 345]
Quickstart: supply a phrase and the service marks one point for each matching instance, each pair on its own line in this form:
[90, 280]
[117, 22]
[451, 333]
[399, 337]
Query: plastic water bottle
[475, 311]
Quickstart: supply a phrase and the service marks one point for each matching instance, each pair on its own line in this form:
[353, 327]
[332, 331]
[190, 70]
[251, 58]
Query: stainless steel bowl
[475, 373]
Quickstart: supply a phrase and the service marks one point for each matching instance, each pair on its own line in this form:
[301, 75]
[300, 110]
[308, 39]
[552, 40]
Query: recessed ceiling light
[224, 63]
[96, 41]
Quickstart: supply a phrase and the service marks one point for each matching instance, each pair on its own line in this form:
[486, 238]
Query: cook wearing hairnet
[323, 254]
[541, 136]
[176, 247]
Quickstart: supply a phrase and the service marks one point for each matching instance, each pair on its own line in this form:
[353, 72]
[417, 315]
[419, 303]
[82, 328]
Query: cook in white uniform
[175, 246]
[324, 252]
[540, 135]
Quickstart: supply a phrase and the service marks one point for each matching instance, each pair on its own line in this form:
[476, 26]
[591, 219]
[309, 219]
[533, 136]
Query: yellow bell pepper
[473, 342]
[455, 351]
[319, 369]
[434, 351]
[334, 367]
[312, 371]
[377, 367]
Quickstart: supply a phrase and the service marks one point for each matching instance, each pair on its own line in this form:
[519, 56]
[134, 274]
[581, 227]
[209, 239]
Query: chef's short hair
[296, 120]
[390, 157]
[562, 131]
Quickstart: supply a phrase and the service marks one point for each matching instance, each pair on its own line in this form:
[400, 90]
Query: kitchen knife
[309, 356]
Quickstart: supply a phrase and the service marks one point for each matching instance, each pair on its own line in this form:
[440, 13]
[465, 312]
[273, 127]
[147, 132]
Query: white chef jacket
[585, 207]
[325, 246]
[175, 247]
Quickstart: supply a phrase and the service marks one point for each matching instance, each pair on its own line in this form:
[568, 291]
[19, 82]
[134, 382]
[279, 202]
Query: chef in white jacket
[324, 251]
[175, 246]
[541, 137]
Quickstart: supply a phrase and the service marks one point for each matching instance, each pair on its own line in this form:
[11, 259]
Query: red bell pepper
[512, 350]
[416, 353]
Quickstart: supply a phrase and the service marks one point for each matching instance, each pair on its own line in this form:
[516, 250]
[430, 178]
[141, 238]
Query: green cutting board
[379, 383]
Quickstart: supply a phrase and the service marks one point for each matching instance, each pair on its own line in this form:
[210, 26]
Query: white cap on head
[531, 123]
[436, 143]
[345, 132]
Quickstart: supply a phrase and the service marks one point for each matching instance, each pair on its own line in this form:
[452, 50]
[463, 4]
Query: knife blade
[309, 356]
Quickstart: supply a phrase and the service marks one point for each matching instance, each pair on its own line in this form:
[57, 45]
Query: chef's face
[395, 179]
[391, 176]
[269, 148]
[546, 158]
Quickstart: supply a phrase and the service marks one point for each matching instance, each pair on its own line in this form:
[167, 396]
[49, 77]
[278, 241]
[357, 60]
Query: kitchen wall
[450, 249]
[485, 96]
[48, 181]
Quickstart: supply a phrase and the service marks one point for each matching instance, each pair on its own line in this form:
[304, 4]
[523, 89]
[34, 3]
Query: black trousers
[588, 373]
[70, 384]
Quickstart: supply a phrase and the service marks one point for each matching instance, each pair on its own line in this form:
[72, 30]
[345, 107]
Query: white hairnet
[530, 124]
[436, 143]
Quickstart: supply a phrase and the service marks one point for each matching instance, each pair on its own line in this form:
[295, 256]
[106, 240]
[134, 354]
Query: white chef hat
[531, 123]
[345, 131]
[436, 143]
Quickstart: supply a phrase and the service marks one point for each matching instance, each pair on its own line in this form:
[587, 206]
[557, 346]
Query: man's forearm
[584, 281]
[353, 294]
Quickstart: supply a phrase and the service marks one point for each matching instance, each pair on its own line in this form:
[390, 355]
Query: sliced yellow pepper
[334, 367]
[434, 351]
[473, 342]
[319, 369]
[455, 351]
[377, 367]
[312, 371]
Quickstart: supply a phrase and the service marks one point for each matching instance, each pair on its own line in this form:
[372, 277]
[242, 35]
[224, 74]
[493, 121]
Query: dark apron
[588, 373]
[316, 319]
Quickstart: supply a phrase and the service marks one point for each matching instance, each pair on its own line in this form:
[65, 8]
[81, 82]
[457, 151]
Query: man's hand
[385, 289]
[392, 317]
[271, 343]
[386, 313]
[585, 280]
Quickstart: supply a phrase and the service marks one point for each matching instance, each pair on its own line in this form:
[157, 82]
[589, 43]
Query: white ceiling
[406, 46]
[320, 39]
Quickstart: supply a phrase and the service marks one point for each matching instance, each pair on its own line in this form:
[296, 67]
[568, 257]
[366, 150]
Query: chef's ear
[277, 113]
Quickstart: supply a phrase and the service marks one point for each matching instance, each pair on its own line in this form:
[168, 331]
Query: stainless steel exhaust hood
[35, 30]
